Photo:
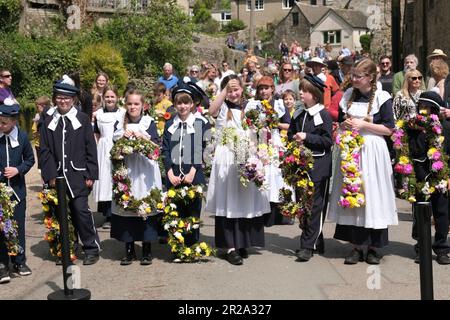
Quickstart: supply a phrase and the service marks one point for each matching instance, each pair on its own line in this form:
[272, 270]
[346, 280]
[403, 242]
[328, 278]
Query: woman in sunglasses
[287, 80]
[5, 83]
[405, 102]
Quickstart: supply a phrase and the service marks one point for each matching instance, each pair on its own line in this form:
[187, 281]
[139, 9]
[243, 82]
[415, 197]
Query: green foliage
[163, 34]
[211, 26]
[225, 4]
[102, 57]
[365, 41]
[234, 25]
[35, 64]
[208, 4]
[202, 15]
[10, 11]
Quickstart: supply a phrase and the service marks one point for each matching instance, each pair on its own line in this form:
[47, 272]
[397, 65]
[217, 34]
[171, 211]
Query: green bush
[163, 34]
[202, 15]
[365, 41]
[234, 25]
[211, 26]
[35, 64]
[10, 11]
[102, 57]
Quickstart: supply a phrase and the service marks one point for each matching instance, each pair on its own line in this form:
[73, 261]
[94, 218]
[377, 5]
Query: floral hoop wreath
[297, 161]
[407, 186]
[49, 202]
[178, 227]
[351, 143]
[8, 226]
[146, 206]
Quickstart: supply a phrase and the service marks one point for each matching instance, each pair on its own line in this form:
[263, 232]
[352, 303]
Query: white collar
[72, 115]
[315, 112]
[13, 137]
[189, 124]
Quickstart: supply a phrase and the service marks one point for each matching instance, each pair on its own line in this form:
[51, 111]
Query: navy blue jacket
[79, 161]
[318, 140]
[191, 155]
[20, 157]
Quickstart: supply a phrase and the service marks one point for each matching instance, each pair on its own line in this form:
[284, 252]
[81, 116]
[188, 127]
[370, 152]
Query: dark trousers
[312, 236]
[439, 205]
[83, 222]
[38, 156]
[192, 210]
[19, 216]
[105, 208]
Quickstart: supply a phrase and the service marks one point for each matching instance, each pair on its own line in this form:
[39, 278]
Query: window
[313, 2]
[332, 37]
[287, 4]
[225, 16]
[259, 5]
[295, 19]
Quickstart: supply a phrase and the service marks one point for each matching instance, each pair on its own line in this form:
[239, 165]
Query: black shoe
[243, 253]
[320, 248]
[4, 274]
[22, 269]
[443, 258]
[373, 257]
[146, 254]
[234, 258]
[304, 255]
[91, 259]
[106, 225]
[130, 255]
[355, 256]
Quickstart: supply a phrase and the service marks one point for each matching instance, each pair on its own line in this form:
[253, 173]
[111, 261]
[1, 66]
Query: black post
[423, 216]
[68, 293]
[396, 39]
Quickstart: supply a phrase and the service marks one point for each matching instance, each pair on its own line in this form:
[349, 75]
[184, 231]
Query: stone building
[438, 27]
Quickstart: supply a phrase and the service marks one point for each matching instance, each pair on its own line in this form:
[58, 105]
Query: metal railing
[114, 5]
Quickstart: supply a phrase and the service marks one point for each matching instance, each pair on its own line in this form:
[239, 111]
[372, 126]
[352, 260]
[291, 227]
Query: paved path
[271, 273]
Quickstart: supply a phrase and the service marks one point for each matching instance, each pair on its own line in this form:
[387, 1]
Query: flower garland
[49, 202]
[271, 120]
[407, 186]
[8, 226]
[297, 160]
[178, 227]
[121, 183]
[350, 143]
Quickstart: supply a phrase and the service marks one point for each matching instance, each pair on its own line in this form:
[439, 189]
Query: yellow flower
[187, 251]
[181, 224]
[203, 246]
[160, 206]
[311, 184]
[174, 248]
[404, 160]
[412, 199]
[400, 123]
[148, 210]
[171, 193]
[125, 197]
[302, 183]
[430, 152]
[296, 152]
[174, 213]
[191, 194]
[45, 208]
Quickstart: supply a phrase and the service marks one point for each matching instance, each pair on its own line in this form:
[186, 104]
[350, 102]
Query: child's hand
[52, 183]
[10, 172]
[448, 184]
[300, 137]
[189, 178]
[89, 183]
[128, 133]
[174, 180]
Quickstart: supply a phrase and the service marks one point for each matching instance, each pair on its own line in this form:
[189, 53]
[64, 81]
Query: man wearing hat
[437, 55]
[16, 159]
[317, 65]
[69, 152]
[431, 102]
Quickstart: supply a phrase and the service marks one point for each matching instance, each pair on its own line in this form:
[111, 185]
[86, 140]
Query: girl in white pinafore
[274, 179]
[144, 174]
[106, 122]
[239, 210]
[367, 225]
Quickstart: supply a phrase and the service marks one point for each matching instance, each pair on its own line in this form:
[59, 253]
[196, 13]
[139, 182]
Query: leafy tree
[234, 25]
[102, 57]
[10, 11]
[163, 34]
[365, 41]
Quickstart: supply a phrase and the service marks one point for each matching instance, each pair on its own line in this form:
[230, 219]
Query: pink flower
[436, 156]
[290, 159]
[437, 129]
[437, 166]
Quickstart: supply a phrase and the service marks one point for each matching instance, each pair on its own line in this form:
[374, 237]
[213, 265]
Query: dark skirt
[239, 233]
[129, 229]
[361, 236]
[274, 217]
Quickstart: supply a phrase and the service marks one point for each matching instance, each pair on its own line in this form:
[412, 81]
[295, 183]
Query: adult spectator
[211, 76]
[284, 49]
[436, 55]
[307, 54]
[5, 84]
[194, 73]
[345, 66]
[230, 41]
[226, 71]
[405, 102]
[99, 85]
[386, 76]
[287, 81]
[317, 66]
[410, 63]
[346, 51]
[168, 78]
[439, 72]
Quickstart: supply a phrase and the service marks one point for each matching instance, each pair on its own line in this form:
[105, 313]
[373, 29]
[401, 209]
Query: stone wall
[286, 30]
